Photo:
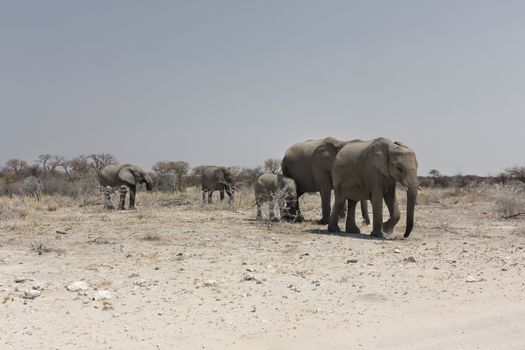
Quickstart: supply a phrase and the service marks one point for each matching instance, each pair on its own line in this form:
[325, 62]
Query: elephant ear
[127, 176]
[324, 154]
[378, 156]
[218, 174]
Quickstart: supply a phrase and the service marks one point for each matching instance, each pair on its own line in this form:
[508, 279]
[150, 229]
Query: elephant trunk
[149, 182]
[411, 204]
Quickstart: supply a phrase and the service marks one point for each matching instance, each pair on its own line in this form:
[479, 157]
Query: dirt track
[188, 277]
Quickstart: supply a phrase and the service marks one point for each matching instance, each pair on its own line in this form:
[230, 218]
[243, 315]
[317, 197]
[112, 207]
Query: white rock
[102, 295]
[31, 294]
[38, 285]
[470, 279]
[77, 285]
[397, 250]
[210, 283]
[140, 283]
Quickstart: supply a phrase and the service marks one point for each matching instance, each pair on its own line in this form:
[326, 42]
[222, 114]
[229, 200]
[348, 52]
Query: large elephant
[310, 163]
[370, 170]
[273, 188]
[217, 178]
[128, 175]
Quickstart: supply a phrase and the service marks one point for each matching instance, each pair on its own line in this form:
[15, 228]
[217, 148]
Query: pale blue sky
[236, 82]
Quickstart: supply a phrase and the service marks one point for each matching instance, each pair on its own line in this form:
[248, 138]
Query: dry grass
[510, 201]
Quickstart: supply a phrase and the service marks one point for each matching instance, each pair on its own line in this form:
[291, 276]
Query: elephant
[310, 163]
[276, 187]
[217, 178]
[115, 175]
[369, 170]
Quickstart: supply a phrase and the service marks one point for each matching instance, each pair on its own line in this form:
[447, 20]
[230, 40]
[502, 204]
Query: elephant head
[324, 154]
[134, 175]
[225, 176]
[397, 162]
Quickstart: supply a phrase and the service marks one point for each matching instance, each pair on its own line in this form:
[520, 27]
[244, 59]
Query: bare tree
[43, 161]
[17, 166]
[166, 169]
[272, 166]
[181, 169]
[516, 173]
[101, 160]
[55, 162]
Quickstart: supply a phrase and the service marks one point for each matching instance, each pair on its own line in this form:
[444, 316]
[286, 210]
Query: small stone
[351, 261]
[31, 294]
[102, 295]
[21, 279]
[410, 259]
[397, 250]
[77, 286]
[38, 285]
[210, 283]
[471, 279]
[139, 283]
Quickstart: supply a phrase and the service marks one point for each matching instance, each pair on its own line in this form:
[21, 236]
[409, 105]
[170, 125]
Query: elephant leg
[122, 200]
[204, 193]
[298, 215]
[132, 193]
[351, 226]
[230, 195]
[259, 212]
[393, 209]
[364, 212]
[377, 207]
[221, 193]
[108, 203]
[342, 214]
[339, 203]
[326, 194]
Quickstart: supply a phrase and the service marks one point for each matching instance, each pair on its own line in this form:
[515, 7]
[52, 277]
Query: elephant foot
[353, 229]
[109, 207]
[274, 219]
[388, 227]
[323, 221]
[379, 234]
[132, 208]
[334, 228]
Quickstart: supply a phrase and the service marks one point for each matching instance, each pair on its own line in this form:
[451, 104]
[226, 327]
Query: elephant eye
[400, 169]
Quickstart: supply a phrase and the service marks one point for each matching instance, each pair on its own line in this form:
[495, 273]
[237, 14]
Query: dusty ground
[183, 276]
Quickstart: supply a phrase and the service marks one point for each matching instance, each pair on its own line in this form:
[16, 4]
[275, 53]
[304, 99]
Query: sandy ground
[183, 276]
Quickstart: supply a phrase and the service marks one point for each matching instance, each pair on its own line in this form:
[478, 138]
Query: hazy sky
[236, 82]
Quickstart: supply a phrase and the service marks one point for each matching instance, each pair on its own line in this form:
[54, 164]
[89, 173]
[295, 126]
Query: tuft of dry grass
[509, 202]
[40, 247]
[151, 237]
[52, 205]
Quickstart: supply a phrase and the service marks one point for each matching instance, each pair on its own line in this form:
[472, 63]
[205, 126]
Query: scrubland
[178, 274]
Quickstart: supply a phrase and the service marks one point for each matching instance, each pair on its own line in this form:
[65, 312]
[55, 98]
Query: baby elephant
[273, 188]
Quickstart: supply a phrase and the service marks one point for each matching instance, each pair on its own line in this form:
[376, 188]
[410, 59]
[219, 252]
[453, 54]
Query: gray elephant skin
[272, 188]
[310, 164]
[370, 170]
[129, 175]
[217, 178]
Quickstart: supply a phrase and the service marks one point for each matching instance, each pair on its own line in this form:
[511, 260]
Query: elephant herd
[357, 171]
